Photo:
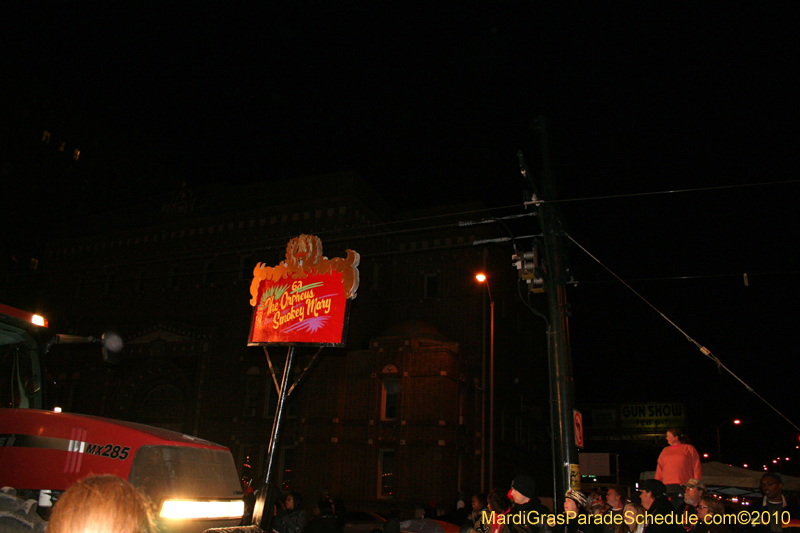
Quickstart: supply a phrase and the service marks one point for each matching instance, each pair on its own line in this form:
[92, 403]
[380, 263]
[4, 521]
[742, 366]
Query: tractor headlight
[188, 509]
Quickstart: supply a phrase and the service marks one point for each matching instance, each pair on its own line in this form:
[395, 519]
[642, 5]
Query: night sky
[430, 105]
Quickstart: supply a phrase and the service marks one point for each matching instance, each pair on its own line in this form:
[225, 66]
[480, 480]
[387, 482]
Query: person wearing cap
[774, 502]
[653, 494]
[575, 503]
[525, 504]
[693, 490]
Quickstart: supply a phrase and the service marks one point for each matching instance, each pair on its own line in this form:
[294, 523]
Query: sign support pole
[265, 493]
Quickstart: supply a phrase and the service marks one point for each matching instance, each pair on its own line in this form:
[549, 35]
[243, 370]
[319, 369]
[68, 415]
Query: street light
[779, 461]
[735, 422]
[482, 279]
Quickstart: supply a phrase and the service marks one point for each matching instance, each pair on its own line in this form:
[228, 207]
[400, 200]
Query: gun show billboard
[305, 299]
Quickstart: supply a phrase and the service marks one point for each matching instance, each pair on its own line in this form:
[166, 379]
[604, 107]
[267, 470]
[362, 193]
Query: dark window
[246, 268]
[431, 285]
[251, 395]
[248, 457]
[208, 273]
[390, 393]
[270, 399]
[376, 273]
[173, 276]
[287, 468]
[108, 286]
[292, 405]
[164, 406]
[141, 283]
[387, 472]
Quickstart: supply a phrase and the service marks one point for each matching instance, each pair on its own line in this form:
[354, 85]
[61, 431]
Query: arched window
[164, 406]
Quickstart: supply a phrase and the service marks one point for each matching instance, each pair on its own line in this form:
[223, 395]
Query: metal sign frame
[304, 261]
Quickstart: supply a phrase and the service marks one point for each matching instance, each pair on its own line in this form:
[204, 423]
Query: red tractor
[193, 482]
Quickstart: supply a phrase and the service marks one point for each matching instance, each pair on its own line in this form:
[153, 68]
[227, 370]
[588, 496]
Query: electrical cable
[682, 278]
[532, 309]
[705, 351]
[538, 202]
[281, 240]
[500, 220]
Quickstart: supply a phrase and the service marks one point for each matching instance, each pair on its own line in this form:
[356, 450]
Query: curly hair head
[102, 504]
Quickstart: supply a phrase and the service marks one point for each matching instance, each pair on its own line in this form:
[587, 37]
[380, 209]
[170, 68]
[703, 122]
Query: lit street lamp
[482, 279]
[719, 447]
[779, 461]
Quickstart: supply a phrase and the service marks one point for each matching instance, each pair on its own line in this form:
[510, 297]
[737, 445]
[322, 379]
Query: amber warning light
[36, 320]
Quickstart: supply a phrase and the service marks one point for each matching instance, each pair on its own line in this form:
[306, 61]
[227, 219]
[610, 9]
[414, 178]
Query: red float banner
[305, 299]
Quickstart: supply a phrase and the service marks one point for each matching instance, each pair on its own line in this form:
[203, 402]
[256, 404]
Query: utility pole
[562, 397]
[483, 385]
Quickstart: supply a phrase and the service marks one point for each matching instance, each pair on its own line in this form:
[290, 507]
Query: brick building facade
[393, 419]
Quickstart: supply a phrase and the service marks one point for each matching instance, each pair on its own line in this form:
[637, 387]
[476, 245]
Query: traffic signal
[528, 268]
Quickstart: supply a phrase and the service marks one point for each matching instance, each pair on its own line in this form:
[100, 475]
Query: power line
[702, 276]
[338, 235]
[705, 351]
[630, 195]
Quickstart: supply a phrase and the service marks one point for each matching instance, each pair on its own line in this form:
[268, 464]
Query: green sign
[651, 417]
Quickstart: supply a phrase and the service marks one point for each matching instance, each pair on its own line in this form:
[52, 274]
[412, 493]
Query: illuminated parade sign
[303, 300]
